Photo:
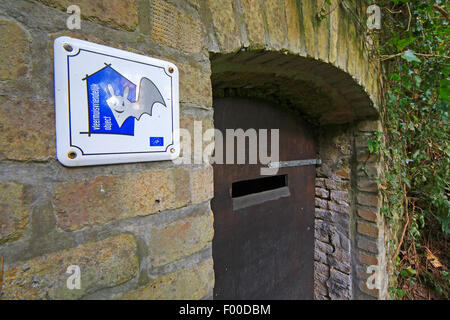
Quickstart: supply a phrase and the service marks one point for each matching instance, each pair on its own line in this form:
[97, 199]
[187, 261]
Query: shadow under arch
[317, 91]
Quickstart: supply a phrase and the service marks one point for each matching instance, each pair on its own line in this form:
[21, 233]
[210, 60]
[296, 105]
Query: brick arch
[320, 92]
[329, 53]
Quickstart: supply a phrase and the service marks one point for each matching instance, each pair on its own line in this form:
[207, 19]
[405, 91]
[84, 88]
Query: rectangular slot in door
[252, 192]
[246, 187]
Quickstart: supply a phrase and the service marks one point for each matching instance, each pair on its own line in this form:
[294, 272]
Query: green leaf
[394, 76]
[418, 80]
[410, 55]
[400, 293]
[411, 271]
[403, 43]
[444, 89]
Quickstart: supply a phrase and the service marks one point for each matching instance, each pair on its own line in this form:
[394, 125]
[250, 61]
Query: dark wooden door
[263, 225]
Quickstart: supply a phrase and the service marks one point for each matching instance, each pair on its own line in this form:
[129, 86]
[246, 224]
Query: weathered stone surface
[253, 17]
[340, 239]
[320, 284]
[186, 284]
[371, 292]
[320, 256]
[175, 28]
[341, 197]
[227, 31]
[195, 3]
[343, 40]
[323, 193]
[180, 238]
[370, 245]
[351, 47]
[321, 203]
[339, 285]
[195, 86]
[106, 198]
[293, 26]
[361, 272]
[325, 215]
[370, 170]
[336, 142]
[322, 32]
[320, 182]
[321, 275]
[334, 32]
[308, 18]
[369, 214]
[334, 184]
[367, 229]
[102, 264]
[369, 126]
[322, 269]
[343, 173]
[339, 207]
[367, 185]
[322, 230]
[362, 141]
[340, 260]
[323, 247]
[364, 156]
[367, 199]
[318, 296]
[27, 129]
[276, 23]
[121, 14]
[14, 50]
[320, 290]
[368, 259]
[14, 211]
[202, 184]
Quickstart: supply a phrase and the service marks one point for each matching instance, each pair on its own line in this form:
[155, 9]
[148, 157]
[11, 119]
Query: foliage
[415, 144]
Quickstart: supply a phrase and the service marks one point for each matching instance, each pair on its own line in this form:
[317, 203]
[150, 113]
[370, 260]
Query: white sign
[113, 106]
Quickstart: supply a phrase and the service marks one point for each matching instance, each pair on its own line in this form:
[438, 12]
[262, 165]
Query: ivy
[413, 46]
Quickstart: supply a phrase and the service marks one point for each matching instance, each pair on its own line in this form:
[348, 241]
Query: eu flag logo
[156, 141]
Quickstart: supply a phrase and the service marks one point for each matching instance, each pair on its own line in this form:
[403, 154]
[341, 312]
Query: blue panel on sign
[104, 85]
[156, 141]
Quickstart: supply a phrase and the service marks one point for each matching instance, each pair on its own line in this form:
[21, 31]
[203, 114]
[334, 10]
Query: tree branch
[441, 11]
[427, 55]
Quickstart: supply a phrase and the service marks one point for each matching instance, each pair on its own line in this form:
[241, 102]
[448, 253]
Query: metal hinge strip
[294, 163]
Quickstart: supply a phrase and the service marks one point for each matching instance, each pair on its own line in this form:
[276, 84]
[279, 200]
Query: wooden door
[263, 225]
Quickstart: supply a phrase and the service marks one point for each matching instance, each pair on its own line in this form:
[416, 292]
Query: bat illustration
[123, 108]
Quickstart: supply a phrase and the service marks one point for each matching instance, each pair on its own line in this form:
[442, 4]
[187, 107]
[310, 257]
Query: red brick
[369, 230]
[368, 214]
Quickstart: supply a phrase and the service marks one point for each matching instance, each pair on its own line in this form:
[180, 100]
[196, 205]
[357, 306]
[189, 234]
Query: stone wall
[144, 231]
[332, 255]
[135, 230]
[349, 228]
